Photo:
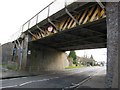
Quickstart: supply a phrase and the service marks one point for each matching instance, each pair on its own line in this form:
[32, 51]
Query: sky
[14, 13]
[98, 54]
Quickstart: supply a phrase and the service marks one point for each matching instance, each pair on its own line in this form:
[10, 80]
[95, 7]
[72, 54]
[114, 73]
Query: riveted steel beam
[32, 34]
[100, 4]
[18, 42]
[52, 24]
[40, 29]
[71, 16]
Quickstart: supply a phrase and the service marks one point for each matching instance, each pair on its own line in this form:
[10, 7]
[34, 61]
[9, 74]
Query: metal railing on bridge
[49, 10]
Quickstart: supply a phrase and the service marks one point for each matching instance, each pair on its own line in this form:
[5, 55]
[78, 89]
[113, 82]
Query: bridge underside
[74, 33]
[88, 36]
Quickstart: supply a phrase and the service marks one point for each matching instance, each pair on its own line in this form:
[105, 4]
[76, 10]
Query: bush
[11, 67]
[73, 66]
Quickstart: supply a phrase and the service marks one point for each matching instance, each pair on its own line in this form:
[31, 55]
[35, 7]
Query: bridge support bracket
[100, 4]
[66, 10]
[32, 34]
[18, 42]
[53, 24]
[40, 29]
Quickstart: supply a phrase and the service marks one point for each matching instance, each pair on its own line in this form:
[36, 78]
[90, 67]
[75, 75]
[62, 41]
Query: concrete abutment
[113, 44]
[42, 58]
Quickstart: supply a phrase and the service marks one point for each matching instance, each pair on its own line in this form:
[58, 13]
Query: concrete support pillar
[24, 52]
[0, 54]
[113, 44]
[0, 63]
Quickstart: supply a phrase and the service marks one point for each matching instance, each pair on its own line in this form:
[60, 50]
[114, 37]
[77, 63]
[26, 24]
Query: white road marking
[56, 77]
[85, 80]
[25, 83]
[9, 79]
[28, 82]
[24, 77]
[76, 85]
[9, 86]
[36, 81]
[37, 75]
[45, 80]
[13, 79]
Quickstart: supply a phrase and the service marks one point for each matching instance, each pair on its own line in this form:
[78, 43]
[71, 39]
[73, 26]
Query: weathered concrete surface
[0, 63]
[43, 58]
[113, 44]
[7, 49]
[66, 62]
[24, 52]
[0, 54]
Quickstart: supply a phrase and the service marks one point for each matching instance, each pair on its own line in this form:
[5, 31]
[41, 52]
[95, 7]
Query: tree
[72, 55]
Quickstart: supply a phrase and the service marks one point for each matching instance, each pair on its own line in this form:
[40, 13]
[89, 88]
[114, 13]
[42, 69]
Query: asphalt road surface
[64, 79]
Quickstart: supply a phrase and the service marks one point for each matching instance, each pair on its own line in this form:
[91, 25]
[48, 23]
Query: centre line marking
[9, 86]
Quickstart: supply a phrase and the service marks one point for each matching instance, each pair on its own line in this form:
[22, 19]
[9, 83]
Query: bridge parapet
[66, 18]
[71, 15]
[59, 16]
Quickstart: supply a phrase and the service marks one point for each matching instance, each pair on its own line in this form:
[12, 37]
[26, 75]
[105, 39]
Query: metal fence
[49, 10]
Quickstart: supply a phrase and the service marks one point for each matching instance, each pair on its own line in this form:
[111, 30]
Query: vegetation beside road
[78, 62]
[8, 67]
[73, 66]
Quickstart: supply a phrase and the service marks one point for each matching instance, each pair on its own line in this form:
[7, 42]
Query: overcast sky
[14, 13]
[98, 54]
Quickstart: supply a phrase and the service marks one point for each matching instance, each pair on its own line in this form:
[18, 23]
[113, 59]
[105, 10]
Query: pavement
[95, 81]
[76, 78]
[12, 74]
[8, 74]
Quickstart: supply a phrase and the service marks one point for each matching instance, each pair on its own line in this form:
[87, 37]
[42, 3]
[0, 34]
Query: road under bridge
[76, 26]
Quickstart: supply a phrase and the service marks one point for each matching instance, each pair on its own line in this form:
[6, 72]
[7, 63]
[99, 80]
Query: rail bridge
[73, 26]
